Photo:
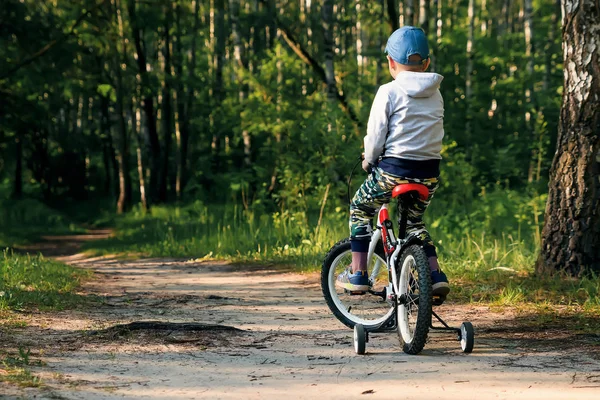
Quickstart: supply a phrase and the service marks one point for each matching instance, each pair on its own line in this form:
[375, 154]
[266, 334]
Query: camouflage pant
[376, 191]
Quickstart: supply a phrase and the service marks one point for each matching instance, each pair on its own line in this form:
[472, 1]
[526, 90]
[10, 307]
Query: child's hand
[366, 166]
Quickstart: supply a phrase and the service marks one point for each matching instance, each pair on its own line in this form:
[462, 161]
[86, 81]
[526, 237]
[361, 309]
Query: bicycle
[400, 295]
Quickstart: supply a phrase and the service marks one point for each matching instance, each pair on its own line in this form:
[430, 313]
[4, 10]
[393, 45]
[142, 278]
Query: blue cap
[405, 42]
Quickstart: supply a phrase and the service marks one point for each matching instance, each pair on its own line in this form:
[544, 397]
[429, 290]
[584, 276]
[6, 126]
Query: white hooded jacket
[406, 119]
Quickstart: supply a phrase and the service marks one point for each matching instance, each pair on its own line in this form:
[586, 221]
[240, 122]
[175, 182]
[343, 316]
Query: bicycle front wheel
[414, 308]
[369, 309]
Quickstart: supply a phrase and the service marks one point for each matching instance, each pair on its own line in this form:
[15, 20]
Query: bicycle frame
[391, 247]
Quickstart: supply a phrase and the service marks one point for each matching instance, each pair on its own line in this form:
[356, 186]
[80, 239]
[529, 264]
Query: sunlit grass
[481, 268]
[28, 281]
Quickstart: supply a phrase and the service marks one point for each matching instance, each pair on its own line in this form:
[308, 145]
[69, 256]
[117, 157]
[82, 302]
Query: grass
[483, 268]
[222, 232]
[28, 281]
[488, 252]
[25, 221]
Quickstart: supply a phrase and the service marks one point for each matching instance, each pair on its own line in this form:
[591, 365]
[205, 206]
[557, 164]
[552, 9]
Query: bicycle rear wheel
[414, 308]
[369, 310]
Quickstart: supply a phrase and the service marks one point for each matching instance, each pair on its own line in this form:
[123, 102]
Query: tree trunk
[469, 72]
[529, 101]
[362, 42]
[424, 15]
[18, 186]
[392, 15]
[136, 115]
[148, 102]
[571, 234]
[438, 33]
[484, 20]
[327, 22]
[185, 98]
[167, 109]
[110, 164]
[409, 12]
[218, 40]
[242, 65]
[124, 200]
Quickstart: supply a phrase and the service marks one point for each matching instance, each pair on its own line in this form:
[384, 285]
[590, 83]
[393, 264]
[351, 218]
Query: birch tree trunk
[167, 108]
[424, 15]
[571, 234]
[148, 101]
[328, 43]
[124, 200]
[409, 12]
[438, 33]
[110, 163]
[469, 72]
[529, 102]
[360, 59]
[18, 183]
[187, 95]
[136, 116]
[242, 65]
[217, 88]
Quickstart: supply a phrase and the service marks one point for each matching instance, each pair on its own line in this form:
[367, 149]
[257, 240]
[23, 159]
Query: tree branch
[297, 48]
[51, 44]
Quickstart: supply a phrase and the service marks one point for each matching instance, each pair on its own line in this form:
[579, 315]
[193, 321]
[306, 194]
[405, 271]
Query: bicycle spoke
[369, 307]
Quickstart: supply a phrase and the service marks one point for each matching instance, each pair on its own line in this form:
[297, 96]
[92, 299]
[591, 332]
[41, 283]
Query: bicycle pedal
[438, 300]
[357, 293]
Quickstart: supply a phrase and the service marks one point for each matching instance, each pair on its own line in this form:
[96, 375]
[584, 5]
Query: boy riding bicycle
[402, 145]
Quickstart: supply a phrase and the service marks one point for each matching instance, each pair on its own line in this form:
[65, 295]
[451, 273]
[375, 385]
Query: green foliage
[26, 220]
[33, 281]
[265, 142]
[503, 237]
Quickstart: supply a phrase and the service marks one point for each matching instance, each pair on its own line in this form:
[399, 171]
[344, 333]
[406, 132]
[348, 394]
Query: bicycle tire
[351, 309]
[414, 282]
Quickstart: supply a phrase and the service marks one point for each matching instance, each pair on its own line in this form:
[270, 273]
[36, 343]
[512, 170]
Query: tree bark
[185, 99]
[148, 102]
[110, 164]
[136, 117]
[424, 15]
[469, 71]
[571, 234]
[18, 184]
[327, 24]
[529, 100]
[124, 200]
[409, 12]
[167, 108]
[217, 88]
[242, 65]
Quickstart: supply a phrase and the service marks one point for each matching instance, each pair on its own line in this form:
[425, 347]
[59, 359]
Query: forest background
[228, 129]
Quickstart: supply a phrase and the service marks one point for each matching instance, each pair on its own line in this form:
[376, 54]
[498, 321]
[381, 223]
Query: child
[403, 144]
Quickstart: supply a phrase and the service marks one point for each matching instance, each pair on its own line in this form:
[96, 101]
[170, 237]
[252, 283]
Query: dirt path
[287, 344]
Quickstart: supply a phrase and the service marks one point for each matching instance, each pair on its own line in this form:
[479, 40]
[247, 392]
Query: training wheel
[360, 339]
[467, 337]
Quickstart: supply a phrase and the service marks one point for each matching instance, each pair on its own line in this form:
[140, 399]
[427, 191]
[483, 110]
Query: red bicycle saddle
[411, 187]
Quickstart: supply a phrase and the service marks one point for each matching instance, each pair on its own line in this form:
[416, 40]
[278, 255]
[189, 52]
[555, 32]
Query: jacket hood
[419, 84]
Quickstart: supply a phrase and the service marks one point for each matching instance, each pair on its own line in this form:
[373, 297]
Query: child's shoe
[439, 284]
[353, 282]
